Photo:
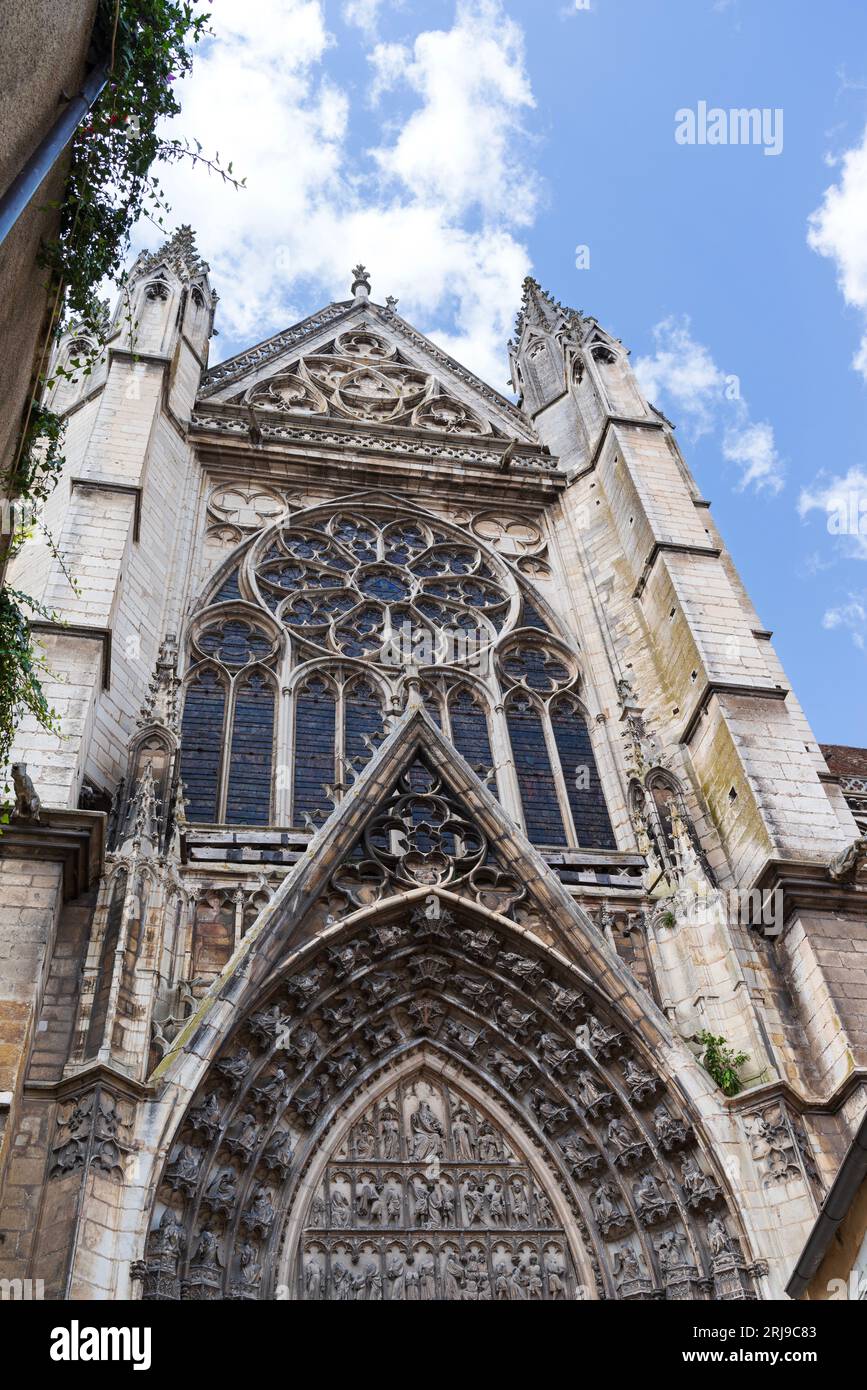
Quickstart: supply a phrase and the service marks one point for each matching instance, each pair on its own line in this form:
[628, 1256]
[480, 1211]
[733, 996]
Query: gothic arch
[430, 981]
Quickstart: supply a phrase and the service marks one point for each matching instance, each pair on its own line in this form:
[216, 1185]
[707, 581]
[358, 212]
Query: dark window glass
[583, 788]
[249, 796]
[535, 776]
[314, 751]
[201, 744]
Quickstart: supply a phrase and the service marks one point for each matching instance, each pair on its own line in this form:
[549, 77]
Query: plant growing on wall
[721, 1062]
[110, 185]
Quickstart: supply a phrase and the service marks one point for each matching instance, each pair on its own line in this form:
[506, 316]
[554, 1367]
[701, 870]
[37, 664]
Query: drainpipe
[22, 190]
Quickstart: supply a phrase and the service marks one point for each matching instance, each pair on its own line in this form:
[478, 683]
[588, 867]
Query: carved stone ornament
[409, 1101]
[90, 1133]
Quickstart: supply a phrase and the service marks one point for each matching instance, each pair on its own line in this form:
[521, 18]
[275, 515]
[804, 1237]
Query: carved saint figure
[373, 1284]
[313, 1280]
[604, 1203]
[489, 1144]
[168, 1238]
[340, 1213]
[544, 1213]
[453, 1277]
[588, 1091]
[396, 1274]
[520, 1205]
[251, 1270]
[185, 1168]
[619, 1136]
[626, 1265]
[427, 1133]
[236, 1068]
[554, 1271]
[718, 1238]
[389, 1131]
[462, 1133]
[671, 1251]
[695, 1182]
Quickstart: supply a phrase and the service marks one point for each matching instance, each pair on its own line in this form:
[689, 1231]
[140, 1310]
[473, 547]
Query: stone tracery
[361, 376]
[337, 588]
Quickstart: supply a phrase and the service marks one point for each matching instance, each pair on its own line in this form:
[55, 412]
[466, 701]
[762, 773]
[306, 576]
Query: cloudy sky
[455, 146]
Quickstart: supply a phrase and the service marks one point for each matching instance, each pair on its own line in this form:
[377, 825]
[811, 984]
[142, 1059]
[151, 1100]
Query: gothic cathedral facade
[428, 787]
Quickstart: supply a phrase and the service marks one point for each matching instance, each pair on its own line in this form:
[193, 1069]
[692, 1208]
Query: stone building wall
[579, 513]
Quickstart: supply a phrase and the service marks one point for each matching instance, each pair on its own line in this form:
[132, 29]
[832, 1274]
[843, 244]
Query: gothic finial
[161, 702]
[142, 834]
[360, 283]
[542, 310]
[179, 252]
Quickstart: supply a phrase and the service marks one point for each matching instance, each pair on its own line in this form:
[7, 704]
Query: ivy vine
[147, 45]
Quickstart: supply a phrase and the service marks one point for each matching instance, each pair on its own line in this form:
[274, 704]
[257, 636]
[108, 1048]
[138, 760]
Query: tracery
[336, 607]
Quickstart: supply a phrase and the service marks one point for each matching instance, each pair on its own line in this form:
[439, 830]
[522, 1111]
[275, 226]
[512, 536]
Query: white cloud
[456, 151]
[838, 229]
[852, 617]
[363, 13]
[753, 447]
[437, 230]
[683, 376]
[684, 373]
[843, 499]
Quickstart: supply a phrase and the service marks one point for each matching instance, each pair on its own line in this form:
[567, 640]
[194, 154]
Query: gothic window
[375, 588]
[470, 735]
[578, 765]
[561, 794]
[202, 744]
[390, 590]
[249, 795]
[362, 727]
[315, 722]
[543, 818]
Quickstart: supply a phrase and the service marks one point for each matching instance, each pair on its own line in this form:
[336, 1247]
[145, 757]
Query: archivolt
[514, 1027]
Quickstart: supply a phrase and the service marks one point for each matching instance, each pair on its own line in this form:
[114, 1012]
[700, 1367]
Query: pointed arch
[614, 1162]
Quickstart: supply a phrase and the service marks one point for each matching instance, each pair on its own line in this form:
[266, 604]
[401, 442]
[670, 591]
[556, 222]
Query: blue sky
[456, 145]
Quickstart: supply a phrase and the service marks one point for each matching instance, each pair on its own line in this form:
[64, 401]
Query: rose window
[294, 678]
[359, 585]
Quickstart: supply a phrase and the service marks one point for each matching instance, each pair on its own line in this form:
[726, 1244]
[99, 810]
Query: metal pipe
[21, 191]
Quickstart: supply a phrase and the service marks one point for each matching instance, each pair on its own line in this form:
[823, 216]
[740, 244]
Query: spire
[179, 253]
[360, 284]
[541, 310]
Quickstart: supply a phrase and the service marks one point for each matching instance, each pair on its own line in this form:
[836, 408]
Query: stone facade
[428, 786]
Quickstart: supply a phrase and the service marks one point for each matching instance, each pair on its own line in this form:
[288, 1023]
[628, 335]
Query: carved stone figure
[237, 1067]
[698, 1188]
[566, 1003]
[278, 1154]
[183, 1174]
[554, 1055]
[462, 1133]
[641, 1083]
[650, 1202]
[512, 1019]
[671, 1132]
[718, 1239]
[427, 1133]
